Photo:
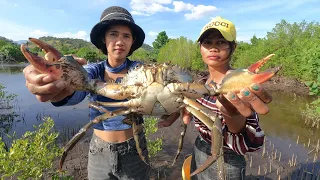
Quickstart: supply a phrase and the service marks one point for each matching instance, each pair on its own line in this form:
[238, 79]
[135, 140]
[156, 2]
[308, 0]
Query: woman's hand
[45, 87]
[253, 98]
[235, 108]
[168, 120]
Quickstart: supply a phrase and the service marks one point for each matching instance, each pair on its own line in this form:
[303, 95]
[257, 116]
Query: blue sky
[20, 19]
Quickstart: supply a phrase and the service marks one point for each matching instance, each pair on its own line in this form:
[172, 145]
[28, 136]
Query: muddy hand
[44, 86]
[43, 76]
[168, 120]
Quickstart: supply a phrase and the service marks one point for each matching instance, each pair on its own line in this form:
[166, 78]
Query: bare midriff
[114, 136]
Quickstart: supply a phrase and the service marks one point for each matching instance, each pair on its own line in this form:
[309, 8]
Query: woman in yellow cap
[240, 128]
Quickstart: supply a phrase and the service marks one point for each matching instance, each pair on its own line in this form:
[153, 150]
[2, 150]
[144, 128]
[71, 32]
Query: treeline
[10, 51]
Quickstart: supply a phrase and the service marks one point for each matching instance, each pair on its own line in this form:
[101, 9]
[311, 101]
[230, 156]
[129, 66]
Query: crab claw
[58, 66]
[52, 54]
[241, 78]
[41, 64]
[255, 68]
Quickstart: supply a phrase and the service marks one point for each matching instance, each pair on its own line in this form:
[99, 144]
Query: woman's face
[118, 40]
[215, 49]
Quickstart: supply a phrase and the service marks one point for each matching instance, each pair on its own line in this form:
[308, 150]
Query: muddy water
[282, 125]
[285, 133]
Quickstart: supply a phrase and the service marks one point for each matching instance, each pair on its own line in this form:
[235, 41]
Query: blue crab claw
[51, 54]
[240, 78]
[58, 66]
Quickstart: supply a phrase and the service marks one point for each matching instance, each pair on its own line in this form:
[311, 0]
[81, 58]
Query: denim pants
[234, 164]
[117, 160]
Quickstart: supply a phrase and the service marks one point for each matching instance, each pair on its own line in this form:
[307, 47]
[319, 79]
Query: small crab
[150, 89]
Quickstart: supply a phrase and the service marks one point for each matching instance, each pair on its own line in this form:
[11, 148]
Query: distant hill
[5, 39]
[66, 43]
[147, 47]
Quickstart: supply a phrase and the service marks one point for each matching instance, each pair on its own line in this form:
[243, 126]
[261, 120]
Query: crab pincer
[58, 66]
[238, 79]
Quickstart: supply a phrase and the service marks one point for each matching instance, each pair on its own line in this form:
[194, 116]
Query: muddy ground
[258, 167]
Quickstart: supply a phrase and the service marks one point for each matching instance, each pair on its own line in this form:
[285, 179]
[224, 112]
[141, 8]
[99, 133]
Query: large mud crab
[150, 89]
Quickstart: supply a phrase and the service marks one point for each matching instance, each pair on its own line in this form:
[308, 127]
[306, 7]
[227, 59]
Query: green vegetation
[7, 115]
[154, 145]
[31, 155]
[6, 98]
[297, 49]
[9, 51]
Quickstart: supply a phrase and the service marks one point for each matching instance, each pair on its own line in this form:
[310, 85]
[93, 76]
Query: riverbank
[258, 167]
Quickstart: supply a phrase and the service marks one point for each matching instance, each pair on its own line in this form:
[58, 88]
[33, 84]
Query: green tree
[140, 55]
[10, 53]
[87, 53]
[182, 52]
[161, 40]
[3, 43]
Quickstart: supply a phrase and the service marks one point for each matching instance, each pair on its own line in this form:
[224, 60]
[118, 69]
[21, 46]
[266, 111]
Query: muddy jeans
[234, 165]
[117, 160]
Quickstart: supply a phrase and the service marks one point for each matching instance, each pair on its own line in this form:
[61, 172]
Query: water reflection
[285, 120]
[31, 111]
[12, 69]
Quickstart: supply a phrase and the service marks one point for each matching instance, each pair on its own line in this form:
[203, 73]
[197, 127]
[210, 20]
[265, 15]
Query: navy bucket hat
[116, 15]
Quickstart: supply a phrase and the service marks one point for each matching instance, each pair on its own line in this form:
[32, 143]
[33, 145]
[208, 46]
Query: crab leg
[216, 151]
[180, 145]
[211, 120]
[131, 120]
[136, 131]
[75, 139]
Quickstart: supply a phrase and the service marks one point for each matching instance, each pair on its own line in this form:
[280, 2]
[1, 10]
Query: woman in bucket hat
[112, 152]
[240, 127]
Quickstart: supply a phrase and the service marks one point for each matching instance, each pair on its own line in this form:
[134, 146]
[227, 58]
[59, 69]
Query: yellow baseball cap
[226, 28]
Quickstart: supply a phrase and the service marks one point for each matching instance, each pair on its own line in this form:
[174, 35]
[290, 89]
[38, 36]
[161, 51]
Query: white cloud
[153, 34]
[139, 13]
[17, 32]
[181, 6]
[150, 7]
[38, 33]
[200, 11]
